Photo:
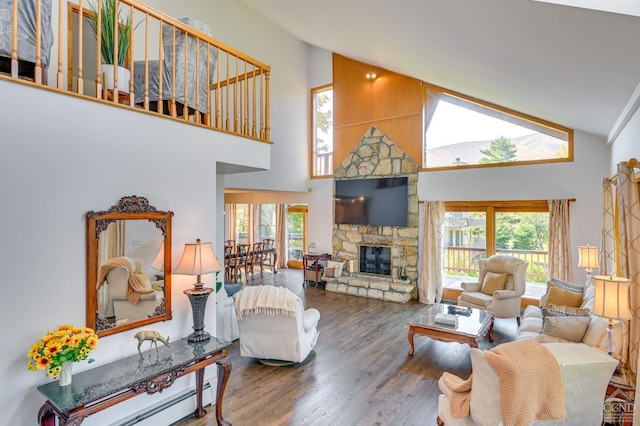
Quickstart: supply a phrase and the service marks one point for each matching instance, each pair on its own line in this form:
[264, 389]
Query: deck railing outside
[175, 69]
[324, 164]
[463, 261]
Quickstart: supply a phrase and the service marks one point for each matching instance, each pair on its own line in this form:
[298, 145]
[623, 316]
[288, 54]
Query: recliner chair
[274, 324]
[505, 302]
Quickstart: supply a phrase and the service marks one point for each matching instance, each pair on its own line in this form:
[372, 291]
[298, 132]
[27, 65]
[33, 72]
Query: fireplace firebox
[375, 260]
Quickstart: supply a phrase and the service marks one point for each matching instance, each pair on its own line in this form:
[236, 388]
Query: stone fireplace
[377, 156]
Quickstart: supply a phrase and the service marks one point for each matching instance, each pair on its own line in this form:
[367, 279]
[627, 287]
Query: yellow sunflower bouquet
[68, 343]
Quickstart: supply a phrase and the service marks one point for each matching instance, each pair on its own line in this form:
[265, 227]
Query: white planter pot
[124, 75]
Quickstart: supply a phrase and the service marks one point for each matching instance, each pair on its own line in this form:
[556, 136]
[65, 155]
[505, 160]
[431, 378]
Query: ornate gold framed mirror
[128, 266]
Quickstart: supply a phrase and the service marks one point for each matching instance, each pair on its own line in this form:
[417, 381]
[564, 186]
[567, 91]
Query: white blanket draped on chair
[266, 300]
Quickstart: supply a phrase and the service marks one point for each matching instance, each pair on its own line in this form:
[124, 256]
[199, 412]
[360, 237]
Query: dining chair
[244, 260]
[258, 256]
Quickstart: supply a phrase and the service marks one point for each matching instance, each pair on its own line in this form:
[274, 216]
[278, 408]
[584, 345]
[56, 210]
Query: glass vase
[66, 374]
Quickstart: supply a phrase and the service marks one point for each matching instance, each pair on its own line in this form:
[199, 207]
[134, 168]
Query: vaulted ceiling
[573, 66]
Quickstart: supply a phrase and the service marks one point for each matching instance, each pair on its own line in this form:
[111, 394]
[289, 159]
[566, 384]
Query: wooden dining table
[271, 252]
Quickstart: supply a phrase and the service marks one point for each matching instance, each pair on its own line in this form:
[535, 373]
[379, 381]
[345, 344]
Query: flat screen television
[378, 201]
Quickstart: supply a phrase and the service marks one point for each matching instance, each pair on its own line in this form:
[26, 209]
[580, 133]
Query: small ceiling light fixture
[371, 75]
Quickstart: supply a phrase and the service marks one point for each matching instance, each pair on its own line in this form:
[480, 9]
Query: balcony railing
[176, 68]
[324, 164]
[463, 261]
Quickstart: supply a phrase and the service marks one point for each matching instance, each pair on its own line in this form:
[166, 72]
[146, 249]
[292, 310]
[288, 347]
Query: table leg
[46, 416]
[224, 369]
[490, 332]
[274, 267]
[410, 337]
[200, 411]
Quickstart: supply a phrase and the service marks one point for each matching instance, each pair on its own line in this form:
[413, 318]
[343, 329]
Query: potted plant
[111, 14]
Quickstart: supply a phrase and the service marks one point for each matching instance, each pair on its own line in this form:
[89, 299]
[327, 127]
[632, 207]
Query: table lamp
[611, 301]
[198, 259]
[158, 262]
[588, 259]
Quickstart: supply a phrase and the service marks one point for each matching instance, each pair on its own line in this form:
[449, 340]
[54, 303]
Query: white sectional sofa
[570, 329]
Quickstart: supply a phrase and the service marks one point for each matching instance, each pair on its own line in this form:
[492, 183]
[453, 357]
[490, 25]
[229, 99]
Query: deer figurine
[153, 336]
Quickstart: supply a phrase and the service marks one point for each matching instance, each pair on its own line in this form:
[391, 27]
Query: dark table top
[92, 385]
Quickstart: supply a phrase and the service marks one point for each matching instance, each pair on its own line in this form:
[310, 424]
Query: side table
[311, 262]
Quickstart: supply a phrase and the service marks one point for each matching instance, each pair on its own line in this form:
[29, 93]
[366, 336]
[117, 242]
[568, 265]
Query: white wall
[60, 159]
[626, 144]
[579, 179]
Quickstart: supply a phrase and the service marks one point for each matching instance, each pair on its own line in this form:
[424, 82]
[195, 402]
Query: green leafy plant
[107, 31]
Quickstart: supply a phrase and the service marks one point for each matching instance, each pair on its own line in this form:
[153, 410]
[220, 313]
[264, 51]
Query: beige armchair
[274, 326]
[584, 371]
[500, 286]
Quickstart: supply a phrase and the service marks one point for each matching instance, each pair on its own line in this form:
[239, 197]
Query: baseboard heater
[137, 418]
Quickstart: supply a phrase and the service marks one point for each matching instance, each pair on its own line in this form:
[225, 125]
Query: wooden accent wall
[392, 102]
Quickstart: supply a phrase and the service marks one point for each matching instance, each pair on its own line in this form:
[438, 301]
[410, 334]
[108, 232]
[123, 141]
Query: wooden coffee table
[472, 326]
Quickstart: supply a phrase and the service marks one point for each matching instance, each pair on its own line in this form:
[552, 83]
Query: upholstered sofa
[585, 374]
[577, 325]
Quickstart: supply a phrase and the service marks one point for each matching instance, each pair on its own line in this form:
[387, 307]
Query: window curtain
[608, 242]
[111, 243]
[629, 237]
[257, 211]
[559, 241]
[281, 235]
[430, 284]
[230, 214]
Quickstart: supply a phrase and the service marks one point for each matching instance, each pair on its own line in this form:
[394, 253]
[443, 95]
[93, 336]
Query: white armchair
[500, 286]
[585, 374]
[274, 324]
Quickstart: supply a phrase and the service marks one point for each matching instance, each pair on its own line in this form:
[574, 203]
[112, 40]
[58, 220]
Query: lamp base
[198, 298]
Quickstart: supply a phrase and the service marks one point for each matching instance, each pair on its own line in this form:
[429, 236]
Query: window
[296, 235]
[475, 230]
[267, 225]
[242, 224]
[465, 132]
[322, 131]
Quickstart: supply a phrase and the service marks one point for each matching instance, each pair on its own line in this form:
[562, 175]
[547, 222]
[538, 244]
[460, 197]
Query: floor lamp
[611, 301]
[588, 259]
[198, 259]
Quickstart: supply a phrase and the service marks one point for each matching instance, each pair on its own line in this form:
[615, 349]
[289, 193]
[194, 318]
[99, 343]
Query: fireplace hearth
[375, 260]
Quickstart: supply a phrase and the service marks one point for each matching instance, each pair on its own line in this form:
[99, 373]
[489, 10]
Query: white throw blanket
[265, 299]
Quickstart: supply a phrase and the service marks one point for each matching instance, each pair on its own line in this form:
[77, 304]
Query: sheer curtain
[430, 284]
[629, 237]
[559, 241]
[230, 213]
[257, 212]
[281, 235]
[111, 243]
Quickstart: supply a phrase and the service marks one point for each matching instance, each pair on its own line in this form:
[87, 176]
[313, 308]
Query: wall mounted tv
[379, 201]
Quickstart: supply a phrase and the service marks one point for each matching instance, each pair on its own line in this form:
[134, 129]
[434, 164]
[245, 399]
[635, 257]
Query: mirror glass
[128, 266]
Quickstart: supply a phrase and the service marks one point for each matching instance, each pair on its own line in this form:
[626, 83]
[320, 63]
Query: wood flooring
[358, 374]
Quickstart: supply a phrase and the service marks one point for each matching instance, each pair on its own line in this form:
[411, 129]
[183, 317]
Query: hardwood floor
[358, 374]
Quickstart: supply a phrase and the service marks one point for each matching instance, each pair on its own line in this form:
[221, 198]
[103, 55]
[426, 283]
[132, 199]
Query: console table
[102, 387]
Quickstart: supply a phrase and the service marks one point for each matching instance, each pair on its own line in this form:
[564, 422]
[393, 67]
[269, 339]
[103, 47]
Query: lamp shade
[158, 262]
[611, 298]
[198, 259]
[588, 257]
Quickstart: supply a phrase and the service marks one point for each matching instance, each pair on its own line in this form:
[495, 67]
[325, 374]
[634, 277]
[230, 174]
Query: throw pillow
[560, 296]
[578, 288]
[552, 310]
[330, 272]
[566, 328]
[337, 265]
[492, 282]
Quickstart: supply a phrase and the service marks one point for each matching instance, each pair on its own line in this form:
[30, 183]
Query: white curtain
[111, 243]
[559, 241]
[281, 235]
[430, 282]
[608, 242]
[230, 214]
[629, 237]
[257, 212]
